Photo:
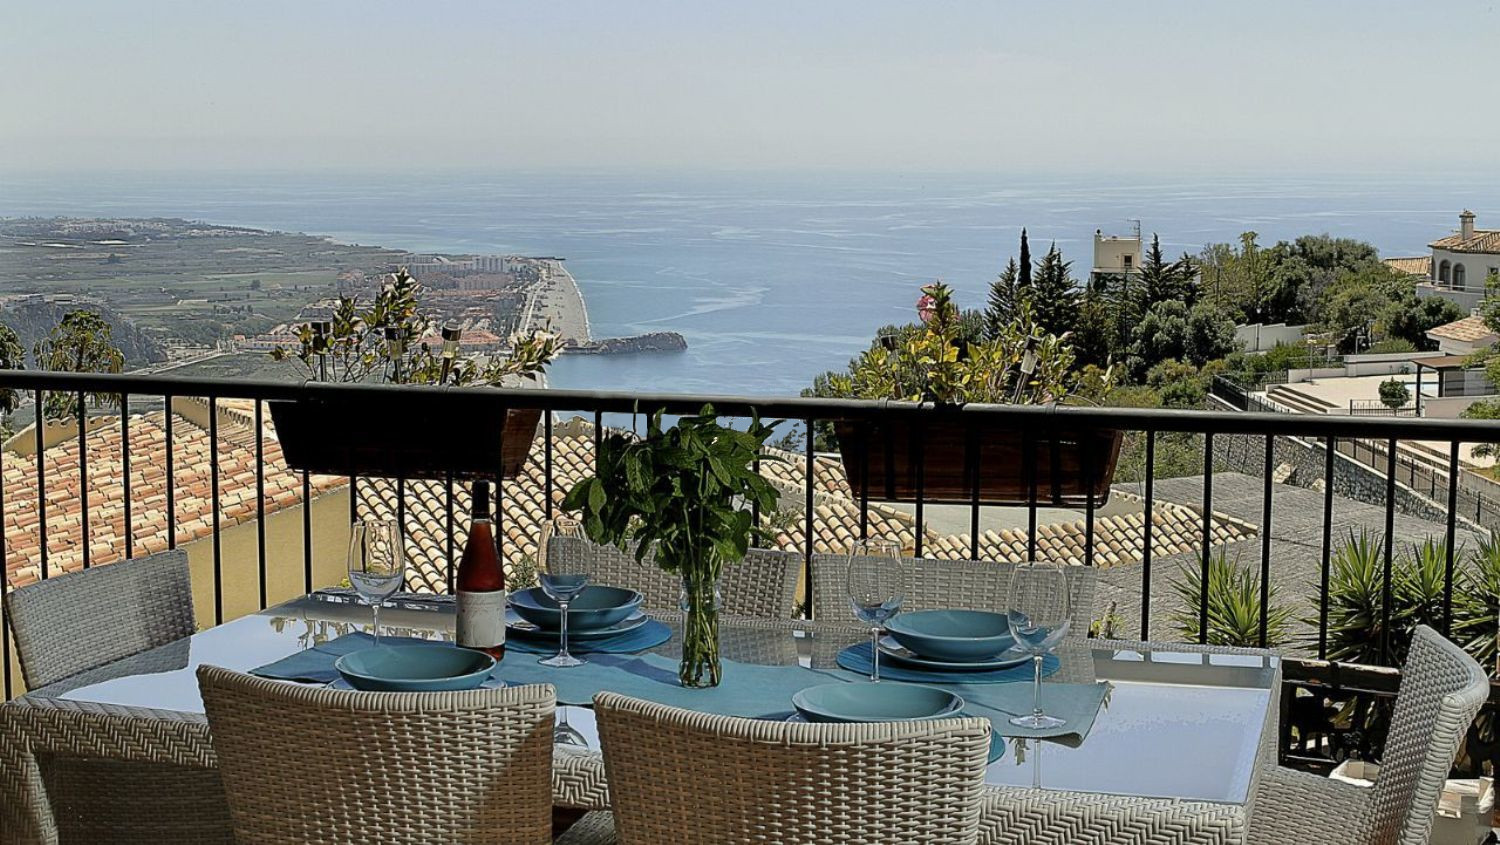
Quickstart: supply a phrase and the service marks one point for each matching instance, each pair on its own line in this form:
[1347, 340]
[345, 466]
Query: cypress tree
[1025, 261]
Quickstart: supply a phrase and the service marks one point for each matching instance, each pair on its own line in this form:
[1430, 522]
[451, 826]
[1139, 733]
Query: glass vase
[700, 631]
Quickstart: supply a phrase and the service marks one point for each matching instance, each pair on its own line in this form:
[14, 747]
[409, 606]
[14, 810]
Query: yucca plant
[1355, 577]
[1233, 605]
[1476, 603]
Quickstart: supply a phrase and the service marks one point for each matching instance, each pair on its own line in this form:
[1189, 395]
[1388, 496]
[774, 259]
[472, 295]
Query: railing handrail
[553, 399]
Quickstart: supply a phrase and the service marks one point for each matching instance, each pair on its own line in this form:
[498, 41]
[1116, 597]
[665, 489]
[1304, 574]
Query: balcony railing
[1149, 432]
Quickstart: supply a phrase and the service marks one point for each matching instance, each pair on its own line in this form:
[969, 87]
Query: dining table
[1173, 753]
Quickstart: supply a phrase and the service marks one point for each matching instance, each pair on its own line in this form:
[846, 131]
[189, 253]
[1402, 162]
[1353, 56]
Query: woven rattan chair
[687, 778]
[79, 623]
[938, 584]
[764, 584]
[1442, 689]
[82, 620]
[311, 764]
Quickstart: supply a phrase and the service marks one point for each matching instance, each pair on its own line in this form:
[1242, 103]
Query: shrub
[1394, 393]
[1233, 605]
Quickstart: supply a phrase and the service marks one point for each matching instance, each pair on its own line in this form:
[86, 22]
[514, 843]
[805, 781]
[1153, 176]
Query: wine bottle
[481, 583]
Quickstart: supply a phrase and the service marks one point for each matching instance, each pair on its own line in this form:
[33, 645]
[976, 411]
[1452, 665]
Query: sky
[747, 86]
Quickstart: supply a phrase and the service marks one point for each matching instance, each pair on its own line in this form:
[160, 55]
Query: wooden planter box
[428, 439]
[1068, 466]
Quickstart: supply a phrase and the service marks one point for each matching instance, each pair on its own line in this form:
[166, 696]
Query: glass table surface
[1174, 725]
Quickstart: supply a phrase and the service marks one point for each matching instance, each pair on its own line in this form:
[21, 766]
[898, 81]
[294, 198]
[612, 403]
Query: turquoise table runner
[747, 689]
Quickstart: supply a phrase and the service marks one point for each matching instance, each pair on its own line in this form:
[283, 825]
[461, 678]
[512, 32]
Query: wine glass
[562, 577]
[377, 563]
[877, 586]
[1040, 613]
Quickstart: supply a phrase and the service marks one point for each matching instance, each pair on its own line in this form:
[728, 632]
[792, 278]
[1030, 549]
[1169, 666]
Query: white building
[1459, 263]
[1116, 255]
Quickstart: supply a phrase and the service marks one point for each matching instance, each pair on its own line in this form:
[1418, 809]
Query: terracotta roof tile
[1484, 241]
[104, 446]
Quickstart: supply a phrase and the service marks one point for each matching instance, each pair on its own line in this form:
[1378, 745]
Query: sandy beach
[556, 302]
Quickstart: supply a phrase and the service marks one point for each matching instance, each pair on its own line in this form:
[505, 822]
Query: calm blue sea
[772, 278]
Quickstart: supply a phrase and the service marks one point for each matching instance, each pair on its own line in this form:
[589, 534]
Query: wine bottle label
[481, 619]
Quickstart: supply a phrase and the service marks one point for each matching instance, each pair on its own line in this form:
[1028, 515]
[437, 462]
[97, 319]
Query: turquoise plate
[890, 648]
[595, 608]
[871, 702]
[957, 636]
[517, 625]
[415, 668]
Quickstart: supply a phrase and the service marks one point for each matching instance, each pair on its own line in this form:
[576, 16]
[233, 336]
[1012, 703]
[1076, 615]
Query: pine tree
[1054, 296]
[1005, 296]
[1025, 261]
[1161, 280]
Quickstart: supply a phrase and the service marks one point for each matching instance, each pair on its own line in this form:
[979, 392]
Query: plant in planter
[933, 362]
[386, 341]
[1394, 393]
[683, 494]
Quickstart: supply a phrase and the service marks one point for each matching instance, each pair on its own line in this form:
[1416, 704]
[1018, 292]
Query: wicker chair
[1442, 689]
[764, 584]
[688, 778]
[937, 584]
[71, 624]
[310, 764]
[82, 620]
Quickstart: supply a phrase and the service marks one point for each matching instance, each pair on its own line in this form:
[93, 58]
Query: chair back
[763, 585]
[304, 764]
[692, 778]
[941, 584]
[1442, 689]
[82, 620]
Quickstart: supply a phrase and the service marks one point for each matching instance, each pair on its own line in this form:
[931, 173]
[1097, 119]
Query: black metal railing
[1332, 433]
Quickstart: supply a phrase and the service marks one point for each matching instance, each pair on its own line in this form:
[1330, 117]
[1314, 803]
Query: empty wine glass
[562, 577]
[877, 586]
[377, 563]
[1040, 613]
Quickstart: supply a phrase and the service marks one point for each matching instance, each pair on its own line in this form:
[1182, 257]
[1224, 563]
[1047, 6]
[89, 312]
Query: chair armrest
[1293, 806]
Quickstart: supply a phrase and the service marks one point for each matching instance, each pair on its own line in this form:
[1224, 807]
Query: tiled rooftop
[148, 489]
[1117, 539]
[1483, 241]
[1468, 329]
[1417, 265]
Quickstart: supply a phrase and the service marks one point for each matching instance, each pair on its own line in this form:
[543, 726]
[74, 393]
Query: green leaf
[596, 495]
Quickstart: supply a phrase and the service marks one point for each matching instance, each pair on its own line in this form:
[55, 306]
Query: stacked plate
[596, 612]
[951, 641]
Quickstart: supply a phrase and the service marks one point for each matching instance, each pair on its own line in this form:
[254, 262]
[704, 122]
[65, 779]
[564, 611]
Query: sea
[771, 277]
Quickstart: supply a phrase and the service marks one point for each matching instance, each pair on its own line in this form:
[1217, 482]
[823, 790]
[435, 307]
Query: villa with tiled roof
[1460, 263]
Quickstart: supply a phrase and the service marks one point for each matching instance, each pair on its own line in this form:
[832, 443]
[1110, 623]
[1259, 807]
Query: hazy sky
[988, 86]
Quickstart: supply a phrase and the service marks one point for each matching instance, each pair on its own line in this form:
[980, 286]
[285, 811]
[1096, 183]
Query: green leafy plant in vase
[684, 495]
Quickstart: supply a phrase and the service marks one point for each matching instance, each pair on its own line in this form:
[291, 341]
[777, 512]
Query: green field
[178, 280]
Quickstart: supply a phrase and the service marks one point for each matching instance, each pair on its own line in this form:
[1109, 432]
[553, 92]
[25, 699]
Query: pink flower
[927, 307]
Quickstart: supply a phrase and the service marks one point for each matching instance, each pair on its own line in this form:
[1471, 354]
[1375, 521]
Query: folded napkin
[856, 658]
[649, 635]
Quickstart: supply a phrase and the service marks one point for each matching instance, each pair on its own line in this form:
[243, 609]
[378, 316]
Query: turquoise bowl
[952, 635]
[415, 668]
[871, 702]
[590, 610]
